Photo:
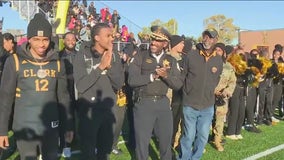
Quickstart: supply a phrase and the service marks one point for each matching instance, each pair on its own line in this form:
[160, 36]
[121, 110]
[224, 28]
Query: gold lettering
[47, 72]
[26, 73]
[32, 73]
[53, 72]
[29, 73]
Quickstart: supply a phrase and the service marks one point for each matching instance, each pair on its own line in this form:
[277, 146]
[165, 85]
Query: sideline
[265, 153]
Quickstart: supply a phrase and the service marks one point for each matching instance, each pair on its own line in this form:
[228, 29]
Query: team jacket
[201, 78]
[96, 88]
[38, 101]
[143, 65]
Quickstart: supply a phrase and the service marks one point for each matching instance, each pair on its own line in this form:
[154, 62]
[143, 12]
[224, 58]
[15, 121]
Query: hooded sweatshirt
[39, 101]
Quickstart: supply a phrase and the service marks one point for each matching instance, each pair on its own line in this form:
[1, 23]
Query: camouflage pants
[220, 115]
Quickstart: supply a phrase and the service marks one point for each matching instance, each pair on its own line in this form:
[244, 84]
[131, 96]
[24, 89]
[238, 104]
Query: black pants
[96, 132]
[250, 105]
[277, 93]
[176, 111]
[46, 145]
[119, 113]
[236, 111]
[152, 114]
[265, 91]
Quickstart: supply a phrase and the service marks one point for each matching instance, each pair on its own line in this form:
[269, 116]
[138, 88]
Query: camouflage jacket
[227, 81]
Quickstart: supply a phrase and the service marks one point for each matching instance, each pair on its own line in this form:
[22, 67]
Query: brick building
[262, 39]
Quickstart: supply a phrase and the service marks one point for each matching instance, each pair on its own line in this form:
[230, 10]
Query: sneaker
[267, 122]
[253, 129]
[232, 137]
[259, 122]
[275, 119]
[66, 153]
[239, 136]
[116, 151]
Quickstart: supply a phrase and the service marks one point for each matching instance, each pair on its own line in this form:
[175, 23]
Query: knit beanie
[175, 40]
[39, 26]
[229, 49]
[187, 46]
[220, 45]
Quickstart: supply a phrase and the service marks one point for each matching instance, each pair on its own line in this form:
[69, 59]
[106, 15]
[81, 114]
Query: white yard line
[265, 153]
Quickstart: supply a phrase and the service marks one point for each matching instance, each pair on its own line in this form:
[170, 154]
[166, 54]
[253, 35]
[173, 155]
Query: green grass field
[252, 143]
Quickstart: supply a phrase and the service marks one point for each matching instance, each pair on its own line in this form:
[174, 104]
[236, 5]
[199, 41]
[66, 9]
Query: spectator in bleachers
[72, 22]
[77, 30]
[115, 20]
[92, 9]
[75, 10]
[85, 33]
[124, 33]
[118, 46]
[108, 16]
[103, 14]
[91, 20]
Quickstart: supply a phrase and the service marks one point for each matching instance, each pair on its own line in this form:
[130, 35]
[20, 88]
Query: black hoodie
[39, 102]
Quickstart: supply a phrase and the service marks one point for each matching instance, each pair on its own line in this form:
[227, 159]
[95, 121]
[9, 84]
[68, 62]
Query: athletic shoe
[267, 122]
[66, 153]
[253, 129]
[239, 136]
[117, 151]
[232, 137]
[275, 119]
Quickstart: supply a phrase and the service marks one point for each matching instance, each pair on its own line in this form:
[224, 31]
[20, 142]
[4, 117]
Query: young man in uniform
[202, 70]
[34, 79]
[151, 73]
[98, 75]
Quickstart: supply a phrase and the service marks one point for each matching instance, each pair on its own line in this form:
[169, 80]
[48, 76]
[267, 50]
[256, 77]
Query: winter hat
[187, 46]
[229, 49]
[220, 45]
[39, 26]
[175, 40]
